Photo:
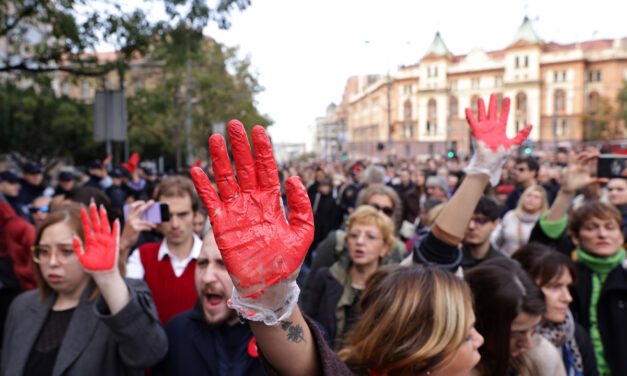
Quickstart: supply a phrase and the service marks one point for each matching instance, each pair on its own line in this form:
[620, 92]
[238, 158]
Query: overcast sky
[303, 51]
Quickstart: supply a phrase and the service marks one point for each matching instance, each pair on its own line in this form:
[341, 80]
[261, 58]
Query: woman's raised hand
[492, 146]
[101, 241]
[260, 249]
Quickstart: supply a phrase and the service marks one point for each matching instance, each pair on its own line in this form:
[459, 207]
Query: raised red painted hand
[492, 131]
[133, 161]
[101, 241]
[258, 246]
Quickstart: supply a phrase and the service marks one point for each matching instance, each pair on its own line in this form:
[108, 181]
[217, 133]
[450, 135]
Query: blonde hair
[526, 192]
[413, 319]
[367, 215]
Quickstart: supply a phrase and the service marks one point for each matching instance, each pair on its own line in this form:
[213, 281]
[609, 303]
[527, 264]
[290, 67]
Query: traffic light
[451, 153]
[527, 150]
[344, 157]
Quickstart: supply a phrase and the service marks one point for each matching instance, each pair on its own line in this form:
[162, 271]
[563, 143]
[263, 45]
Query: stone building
[559, 88]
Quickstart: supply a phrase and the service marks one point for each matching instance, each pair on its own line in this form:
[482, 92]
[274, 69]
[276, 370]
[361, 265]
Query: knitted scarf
[562, 336]
[601, 268]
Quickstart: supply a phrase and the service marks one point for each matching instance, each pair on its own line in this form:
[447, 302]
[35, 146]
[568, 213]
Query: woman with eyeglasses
[336, 290]
[509, 307]
[380, 197]
[85, 318]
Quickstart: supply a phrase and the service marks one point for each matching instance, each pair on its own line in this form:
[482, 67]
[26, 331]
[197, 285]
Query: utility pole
[188, 112]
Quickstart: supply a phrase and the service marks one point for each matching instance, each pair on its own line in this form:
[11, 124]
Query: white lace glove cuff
[275, 304]
[485, 161]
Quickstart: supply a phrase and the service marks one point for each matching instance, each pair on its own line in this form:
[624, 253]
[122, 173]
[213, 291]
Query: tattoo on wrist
[295, 333]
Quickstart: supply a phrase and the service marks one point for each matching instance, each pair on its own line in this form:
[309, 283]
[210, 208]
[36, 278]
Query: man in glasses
[39, 209]
[525, 174]
[476, 246]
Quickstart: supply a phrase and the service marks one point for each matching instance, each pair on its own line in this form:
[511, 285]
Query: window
[432, 109]
[517, 62]
[590, 76]
[564, 76]
[408, 130]
[598, 75]
[473, 104]
[407, 110]
[499, 101]
[563, 127]
[435, 71]
[453, 107]
[556, 77]
[475, 83]
[453, 84]
[560, 100]
[526, 61]
[429, 71]
[521, 104]
[428, 127]
[594, 100]
[432, 113]
[498, 81]
[85, 90]
[65, 88]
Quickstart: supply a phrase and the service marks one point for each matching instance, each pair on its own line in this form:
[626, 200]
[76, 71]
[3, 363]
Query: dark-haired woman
[509, 307]
[555, 273]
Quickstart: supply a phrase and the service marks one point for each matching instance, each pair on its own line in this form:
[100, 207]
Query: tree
[37, 124]
[601, 122]
[222, 87]
[622, 103]
[51, 35]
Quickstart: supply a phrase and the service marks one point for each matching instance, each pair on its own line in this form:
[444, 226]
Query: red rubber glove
[133, 161]
[492, 146]
[101, 242]
[259, 248]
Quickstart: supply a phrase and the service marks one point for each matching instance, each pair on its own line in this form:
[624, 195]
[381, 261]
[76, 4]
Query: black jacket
[197, 348]
[611, 312]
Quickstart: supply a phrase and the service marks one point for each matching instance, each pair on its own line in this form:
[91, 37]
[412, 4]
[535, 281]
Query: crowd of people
[498, 264]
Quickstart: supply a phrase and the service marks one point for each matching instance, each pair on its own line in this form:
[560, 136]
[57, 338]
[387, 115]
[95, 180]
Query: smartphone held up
[157, 213]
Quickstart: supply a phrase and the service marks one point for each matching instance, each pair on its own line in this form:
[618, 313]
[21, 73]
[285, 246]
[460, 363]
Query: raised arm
[99, 256]
[492, 148]
[261, 250]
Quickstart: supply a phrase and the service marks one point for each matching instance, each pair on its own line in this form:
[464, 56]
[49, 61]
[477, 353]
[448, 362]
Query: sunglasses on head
[387, 210]
[43, 209]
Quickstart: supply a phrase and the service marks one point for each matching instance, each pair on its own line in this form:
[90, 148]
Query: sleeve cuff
[553, 229]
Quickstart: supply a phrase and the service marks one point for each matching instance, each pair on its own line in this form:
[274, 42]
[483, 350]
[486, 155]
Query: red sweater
[172, 294]
[16, 238]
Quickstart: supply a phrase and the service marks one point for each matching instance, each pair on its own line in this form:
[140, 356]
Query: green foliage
[622, 101]
[222, 88]
[37, 124]
[50, 35]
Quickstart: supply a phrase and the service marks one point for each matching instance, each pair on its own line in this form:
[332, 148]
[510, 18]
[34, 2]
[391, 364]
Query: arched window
[407, 109]
[560, 100]
[453, 107]
[473, 104]
[594, 101]
[521, 104]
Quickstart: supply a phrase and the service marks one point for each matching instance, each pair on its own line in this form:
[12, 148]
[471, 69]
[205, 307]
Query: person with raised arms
[417, 327]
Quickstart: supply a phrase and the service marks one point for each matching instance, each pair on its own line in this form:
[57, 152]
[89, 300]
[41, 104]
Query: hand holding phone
[156, 213]
[612, 166]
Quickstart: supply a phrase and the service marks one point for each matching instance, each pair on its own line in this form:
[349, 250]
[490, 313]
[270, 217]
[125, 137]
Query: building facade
[564, 90]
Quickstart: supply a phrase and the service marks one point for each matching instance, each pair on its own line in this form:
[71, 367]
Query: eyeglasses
[63, 253]
[479, 220]
[43, 209]
[387, 210]
[354, 236]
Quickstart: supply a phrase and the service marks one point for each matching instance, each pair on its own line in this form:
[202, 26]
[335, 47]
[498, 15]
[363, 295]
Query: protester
[525, 175]
[515, 228]
[476, 246]
[39, 209]
[437, 188]
[348, 195]
[201, 222]
[617, 196]
[509, 306]
[336, 290]
[209, 339]
[555, 273]
[327, 213]
[9, 190]
[166, 266]
[66, 184]
[85, 319]
[596, 231]
[32, 183]
[381, 197]
[410, 306]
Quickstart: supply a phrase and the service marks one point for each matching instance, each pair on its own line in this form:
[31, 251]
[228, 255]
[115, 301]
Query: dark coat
[321, 305]
[611, 312]
[96, 342]
[197, 348]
